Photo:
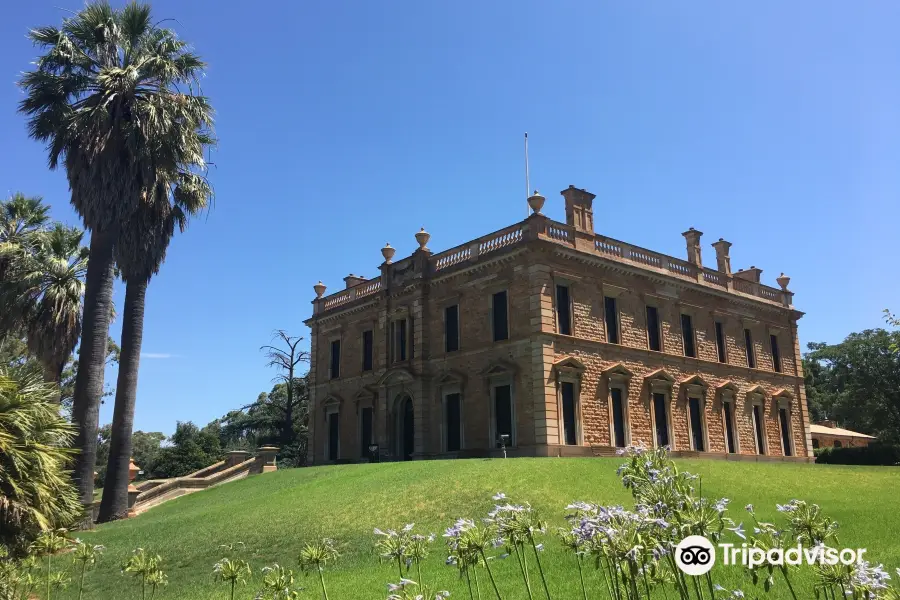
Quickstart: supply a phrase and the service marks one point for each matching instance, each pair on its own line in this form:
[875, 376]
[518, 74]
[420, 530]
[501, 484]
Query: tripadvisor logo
[696, 555]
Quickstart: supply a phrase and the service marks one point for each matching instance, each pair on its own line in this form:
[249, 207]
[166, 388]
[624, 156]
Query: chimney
[751, 274]
[827, 423]
[723, 260]
[692, 237]
[352, 280]
[579, 211]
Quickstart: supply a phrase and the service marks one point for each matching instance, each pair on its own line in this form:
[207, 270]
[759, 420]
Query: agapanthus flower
[738, 531]
[499, 496]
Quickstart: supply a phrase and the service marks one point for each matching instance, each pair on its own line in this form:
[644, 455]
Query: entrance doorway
[407, 429]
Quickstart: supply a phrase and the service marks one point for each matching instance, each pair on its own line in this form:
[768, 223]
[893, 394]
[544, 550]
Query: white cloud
[157, 355]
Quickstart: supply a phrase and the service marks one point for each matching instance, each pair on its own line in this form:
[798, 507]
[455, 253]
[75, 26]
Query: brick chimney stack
[352, 280]
[692, 237]
[579, 209]
[723, 260]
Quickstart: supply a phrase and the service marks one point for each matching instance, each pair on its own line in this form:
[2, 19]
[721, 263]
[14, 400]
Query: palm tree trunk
[53, 374]
[114, 504]
[92, 360]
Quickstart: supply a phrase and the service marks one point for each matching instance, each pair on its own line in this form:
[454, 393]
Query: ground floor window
[453, 421]
[730, 433]
[696, 416]
[815, 443]
[570, 421]
[365, 431]
[661, 419]
[758, 426]
[785, 419]
[334, 429]
[618, 417]
[503, 414]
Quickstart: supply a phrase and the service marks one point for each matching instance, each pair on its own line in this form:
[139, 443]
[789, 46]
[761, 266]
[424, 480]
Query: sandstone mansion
[548, 339]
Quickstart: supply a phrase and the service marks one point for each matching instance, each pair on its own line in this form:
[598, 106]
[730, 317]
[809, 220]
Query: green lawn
[274, 513]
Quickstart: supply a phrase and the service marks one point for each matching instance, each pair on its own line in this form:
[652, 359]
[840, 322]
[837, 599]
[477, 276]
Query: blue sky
[343, 125]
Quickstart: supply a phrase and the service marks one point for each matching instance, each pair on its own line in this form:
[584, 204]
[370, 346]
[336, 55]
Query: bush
[873, 454]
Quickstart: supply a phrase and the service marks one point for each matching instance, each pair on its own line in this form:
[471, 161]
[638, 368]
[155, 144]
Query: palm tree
[20, 218]
[104, 97]
[35, 492]
[52, 281]
[141, 251]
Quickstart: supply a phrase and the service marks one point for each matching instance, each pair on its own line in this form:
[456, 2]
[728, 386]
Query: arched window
[815, 443]
[838, 444]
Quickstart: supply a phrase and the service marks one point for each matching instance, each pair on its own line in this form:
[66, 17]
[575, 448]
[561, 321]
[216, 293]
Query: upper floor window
[720, 342]
[451, 328]
[654, 339]
[751, 355]
[563, 310]
[500, 316]
[368, 348]
[687, 334]
[335, 367]
[776, 354]
[611, 314]
[399, 340]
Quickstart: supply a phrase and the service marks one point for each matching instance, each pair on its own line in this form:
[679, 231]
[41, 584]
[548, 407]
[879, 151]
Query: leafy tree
[191, 449]
[105, 98]
[145, 447]
[35, 491]
[20, 218]
[857, 382]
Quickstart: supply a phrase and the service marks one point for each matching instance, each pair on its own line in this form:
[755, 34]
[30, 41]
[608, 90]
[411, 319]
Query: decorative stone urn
[536, 202]
[422, 237]
[266, 455]
[783, 281]
[320, 289]
[388, 252]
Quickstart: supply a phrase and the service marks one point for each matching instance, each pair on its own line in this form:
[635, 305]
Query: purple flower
[408, 527]
[738, 531]
[749, 508]
[499, 496]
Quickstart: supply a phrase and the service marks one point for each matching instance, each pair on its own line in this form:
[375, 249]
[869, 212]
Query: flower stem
[469, 583]
[232, 590]
[81, 585]
[477, 587]
[487, 567]
[540, 568]
[788, 581]
[322, 581]
[581, 576]
[519, 559]
[399, 566]
[419, 573]
[48, 575]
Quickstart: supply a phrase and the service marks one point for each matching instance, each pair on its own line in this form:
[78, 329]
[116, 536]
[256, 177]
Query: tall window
[661, 419]
[365, 431]
[687, 334]
[335, 359]
[612, 320]
[453, 421]
[368, 350]
[500, 317]
[568, 410]
[653, 335]
[334, 429]
[451, 328]
[758, 429]
[751, 355]
[696, 410]
[720, 342]
[776, 355]
[503, 417]
[785, 419]
[399, 340]
[563, 310]
[618, 416]
[730, 434]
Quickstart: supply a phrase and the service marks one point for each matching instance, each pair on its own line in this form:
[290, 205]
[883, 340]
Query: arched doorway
[406, 429]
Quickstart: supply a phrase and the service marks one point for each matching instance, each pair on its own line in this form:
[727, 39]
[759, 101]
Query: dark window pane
[563, 314]
[815, 443]
[751, 356]
[697, 425]
[776, 355]
[660, 415]
[720, 342]
[335, 359]
[365, 431]
[500, 317]
[618, 409]
[451, 328]
[568, 408]
[333, 433]
[611, 313]
[401, 339]
[653, 329]
[503, 413]
[368, 350]
[838, 444]
[758, 424]
[729, 426]
[453, 422]
[785, 431]
[687, 334]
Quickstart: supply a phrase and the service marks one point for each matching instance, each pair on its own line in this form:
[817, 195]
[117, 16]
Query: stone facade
[574, 374]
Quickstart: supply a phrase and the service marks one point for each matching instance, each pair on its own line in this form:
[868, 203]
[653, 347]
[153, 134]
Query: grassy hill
[273, 514]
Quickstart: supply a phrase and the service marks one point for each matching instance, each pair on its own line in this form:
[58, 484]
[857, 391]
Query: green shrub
[873, 454]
